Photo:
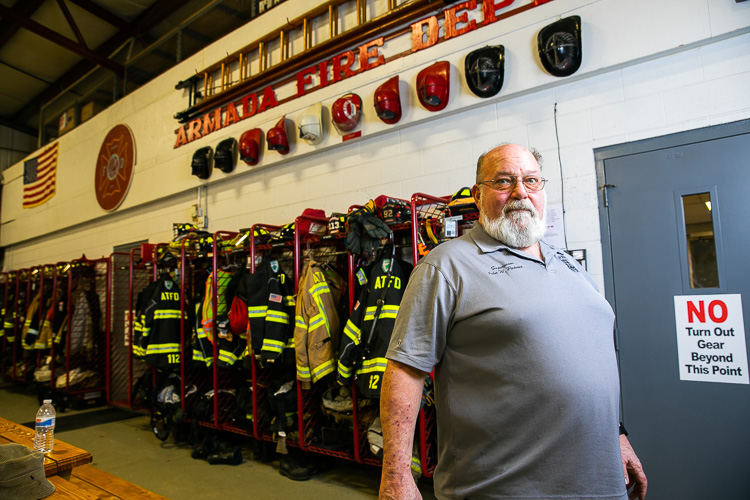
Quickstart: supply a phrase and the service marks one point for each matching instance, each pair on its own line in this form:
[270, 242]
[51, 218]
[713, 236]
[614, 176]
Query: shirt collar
[488, 244]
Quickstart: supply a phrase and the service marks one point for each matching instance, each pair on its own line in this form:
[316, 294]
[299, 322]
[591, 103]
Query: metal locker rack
[226, 380]
[5, 284]
[85, 344]
[30, 325]
[16, 369]
[261, 244]
[129, 274]
[192, 279]
[310, 418]
[36, 343]
[59, 321]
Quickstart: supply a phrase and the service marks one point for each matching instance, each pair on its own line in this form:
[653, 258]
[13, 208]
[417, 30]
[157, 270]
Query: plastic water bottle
[44, 439]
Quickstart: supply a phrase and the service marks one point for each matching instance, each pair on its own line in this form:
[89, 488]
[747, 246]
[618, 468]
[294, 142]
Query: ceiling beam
[61, 40]
[8, 28]
[18, 126]
[104, 15]
[72, 23]
[141, 26]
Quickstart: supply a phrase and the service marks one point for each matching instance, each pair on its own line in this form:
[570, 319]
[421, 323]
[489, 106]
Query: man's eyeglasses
[506, 183]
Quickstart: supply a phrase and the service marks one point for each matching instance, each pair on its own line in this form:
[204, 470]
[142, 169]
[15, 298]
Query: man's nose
[519, 190]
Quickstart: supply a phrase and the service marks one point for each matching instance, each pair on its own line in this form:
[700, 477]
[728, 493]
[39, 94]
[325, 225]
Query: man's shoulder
[449, 251]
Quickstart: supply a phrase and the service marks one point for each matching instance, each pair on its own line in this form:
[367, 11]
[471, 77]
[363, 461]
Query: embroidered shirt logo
[504, 269]
[565, 261]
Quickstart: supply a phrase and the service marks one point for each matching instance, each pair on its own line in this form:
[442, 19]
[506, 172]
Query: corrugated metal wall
[14, 146]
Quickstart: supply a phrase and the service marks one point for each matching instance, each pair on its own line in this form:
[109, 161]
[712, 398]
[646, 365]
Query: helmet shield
[346, 112]
[310, 124]
[433, 86]
[559, 46]
[250, 144]
[388, 101]
[277, 138]
[201, 164]
[225, 157]
[485, 70]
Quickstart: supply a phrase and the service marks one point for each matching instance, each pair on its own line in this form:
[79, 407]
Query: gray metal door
[662, 240]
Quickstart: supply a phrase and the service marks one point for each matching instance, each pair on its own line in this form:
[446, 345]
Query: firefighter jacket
[9, 316]
[316, 329]
[144, 297]
[268, 294]
[53, 320]
[30, 330]
[208, 301]
[203, 349]
[369, 328]
[232, 339]
[165, 324]
[85, 320]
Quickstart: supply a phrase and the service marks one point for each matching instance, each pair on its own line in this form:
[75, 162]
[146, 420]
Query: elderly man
[526, 382]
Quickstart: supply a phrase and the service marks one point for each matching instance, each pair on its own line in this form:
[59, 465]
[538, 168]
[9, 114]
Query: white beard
[518, 226]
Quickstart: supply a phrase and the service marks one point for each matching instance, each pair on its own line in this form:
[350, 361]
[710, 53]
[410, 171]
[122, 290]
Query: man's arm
[634, 476]
[400, 397]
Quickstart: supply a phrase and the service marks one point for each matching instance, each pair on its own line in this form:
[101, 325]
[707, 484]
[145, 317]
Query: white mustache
[515, 205]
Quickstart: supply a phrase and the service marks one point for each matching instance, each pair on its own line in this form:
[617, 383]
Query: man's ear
[475, 193]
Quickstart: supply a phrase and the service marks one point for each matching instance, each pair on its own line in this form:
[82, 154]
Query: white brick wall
[636, 82]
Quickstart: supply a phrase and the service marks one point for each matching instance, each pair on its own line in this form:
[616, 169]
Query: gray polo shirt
[526, 381]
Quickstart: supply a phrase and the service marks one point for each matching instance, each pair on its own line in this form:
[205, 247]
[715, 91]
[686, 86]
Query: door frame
[643, 146]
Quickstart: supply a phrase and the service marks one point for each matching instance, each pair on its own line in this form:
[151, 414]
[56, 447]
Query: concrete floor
[122, 444]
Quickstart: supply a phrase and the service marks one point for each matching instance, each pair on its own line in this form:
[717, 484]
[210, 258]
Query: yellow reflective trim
[323, 370]
[227, 357]
[351, 331]
[272, 345]
[256, 311]
[373, 365]
[163, 348]
[317, 321]
[416, 465]
[319, 288]
[167, 314]
[277, 317]
[304, 370]
[344, 371]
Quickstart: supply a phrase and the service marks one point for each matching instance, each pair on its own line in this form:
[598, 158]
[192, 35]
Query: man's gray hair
[536, 154]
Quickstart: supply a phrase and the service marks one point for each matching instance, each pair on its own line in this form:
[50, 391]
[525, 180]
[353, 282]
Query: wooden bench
[63, 458]
[90, 483]
[68, 468]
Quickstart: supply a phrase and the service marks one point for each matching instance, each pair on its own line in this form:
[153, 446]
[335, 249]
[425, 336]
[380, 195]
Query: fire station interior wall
[649, 68]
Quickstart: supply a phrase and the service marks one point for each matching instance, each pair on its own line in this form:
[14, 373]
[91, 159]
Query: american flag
[40, 177]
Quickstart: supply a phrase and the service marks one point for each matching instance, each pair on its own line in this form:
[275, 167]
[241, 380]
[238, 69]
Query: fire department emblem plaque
[114, 167]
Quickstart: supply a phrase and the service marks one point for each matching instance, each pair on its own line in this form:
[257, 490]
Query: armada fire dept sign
[114, 167]
[711, 338]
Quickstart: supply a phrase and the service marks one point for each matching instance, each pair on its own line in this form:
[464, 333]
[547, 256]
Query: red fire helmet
[433, 86]
[388, 101]
[250, 142]
[346, 111]
[277, 138]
